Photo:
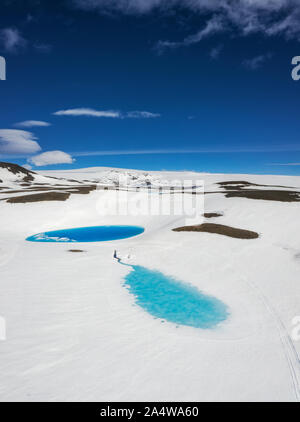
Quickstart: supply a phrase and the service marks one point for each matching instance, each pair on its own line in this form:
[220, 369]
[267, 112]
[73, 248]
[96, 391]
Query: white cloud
[32, 123]
[269, 17]
[51, 157]
[11, 40]
[27, 166]
[90, 112]
[257, 61]
[13, 141]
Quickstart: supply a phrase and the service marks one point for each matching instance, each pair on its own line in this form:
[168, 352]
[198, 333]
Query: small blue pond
[174, 301]
[88, 234]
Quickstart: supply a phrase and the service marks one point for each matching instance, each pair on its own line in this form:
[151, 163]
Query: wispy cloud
[141, 115]
[257, 61]
[11, 40]
[216, 150]
[123, 6]
[284, 164]
[13, 141]
[215, 52]
[212, 26]
[244, 17]
[51, 157]
[90, 112]
[32, 123]
[25, 152]
[42, 48]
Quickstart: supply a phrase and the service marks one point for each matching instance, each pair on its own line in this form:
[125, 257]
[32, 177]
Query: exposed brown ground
[231, 184]
[39, 197]
[243, 189]
[47, 193]
[267, 195]
[75, 250]
[219, 229]
[212, 214]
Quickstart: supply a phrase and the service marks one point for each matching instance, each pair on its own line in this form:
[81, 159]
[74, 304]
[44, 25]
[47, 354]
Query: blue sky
[154, 84]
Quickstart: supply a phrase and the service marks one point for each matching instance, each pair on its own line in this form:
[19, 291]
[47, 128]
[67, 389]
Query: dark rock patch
[28, 178]
[212, 215]
[234, 182]
[76, 181]
[239, 184]
[219, 229]
[83, 190]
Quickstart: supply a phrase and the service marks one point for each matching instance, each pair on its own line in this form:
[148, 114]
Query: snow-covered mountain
[20, 185]
[13, 176]
[17, 182]
[13, 173]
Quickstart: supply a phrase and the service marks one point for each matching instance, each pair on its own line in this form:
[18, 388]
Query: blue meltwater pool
[88, 234]
[169, 299]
